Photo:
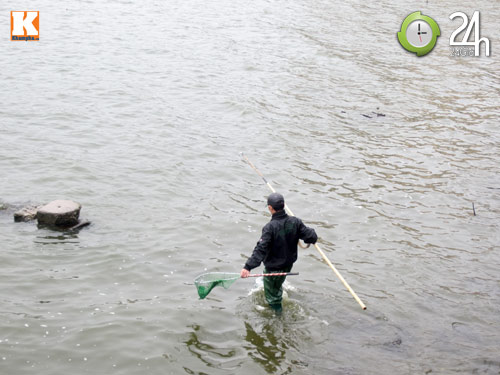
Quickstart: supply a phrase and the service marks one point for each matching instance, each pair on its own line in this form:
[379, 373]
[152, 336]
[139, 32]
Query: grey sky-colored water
[138, 110]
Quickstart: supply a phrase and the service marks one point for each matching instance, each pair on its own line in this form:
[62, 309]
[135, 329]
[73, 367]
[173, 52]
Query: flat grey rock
[59, 213]
[26, 214]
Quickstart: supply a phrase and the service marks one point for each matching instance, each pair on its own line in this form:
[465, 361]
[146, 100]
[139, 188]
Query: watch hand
[418, 27]
[420, 36]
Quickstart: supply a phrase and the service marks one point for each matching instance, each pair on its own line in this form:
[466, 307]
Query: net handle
[275, 274]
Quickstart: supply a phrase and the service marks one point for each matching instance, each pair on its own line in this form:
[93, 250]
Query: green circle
[420, 51]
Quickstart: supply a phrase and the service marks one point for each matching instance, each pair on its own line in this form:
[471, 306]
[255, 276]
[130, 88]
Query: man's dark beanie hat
[276, 201]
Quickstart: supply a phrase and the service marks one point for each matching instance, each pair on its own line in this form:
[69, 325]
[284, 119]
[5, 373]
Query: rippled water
[138, 110]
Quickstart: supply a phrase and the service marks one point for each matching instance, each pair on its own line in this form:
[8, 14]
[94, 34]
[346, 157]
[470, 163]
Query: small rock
[26, 214]
[59, 213]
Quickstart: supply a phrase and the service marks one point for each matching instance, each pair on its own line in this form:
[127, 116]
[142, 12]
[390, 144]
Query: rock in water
[26, 214]
[59, 213]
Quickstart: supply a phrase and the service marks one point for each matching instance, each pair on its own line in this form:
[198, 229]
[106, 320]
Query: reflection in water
[273, 341]
[214, 349]
[55, 238]
[266, 348]
[51, 235]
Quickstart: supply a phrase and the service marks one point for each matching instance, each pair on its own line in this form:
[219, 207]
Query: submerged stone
[59, 213]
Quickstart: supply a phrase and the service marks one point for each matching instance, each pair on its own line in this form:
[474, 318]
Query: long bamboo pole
[353, 293]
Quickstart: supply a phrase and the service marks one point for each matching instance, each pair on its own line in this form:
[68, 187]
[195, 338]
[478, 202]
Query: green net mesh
[206, 282]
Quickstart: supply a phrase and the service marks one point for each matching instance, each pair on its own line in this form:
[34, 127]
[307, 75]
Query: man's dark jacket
[277, 247]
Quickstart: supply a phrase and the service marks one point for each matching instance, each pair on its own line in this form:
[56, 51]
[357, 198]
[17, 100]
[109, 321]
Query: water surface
[138, 110]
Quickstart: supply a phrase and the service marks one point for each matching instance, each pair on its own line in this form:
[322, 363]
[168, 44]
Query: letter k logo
[21, 23]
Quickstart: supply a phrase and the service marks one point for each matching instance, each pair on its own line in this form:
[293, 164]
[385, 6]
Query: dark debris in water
[396, 342]
[373, 114]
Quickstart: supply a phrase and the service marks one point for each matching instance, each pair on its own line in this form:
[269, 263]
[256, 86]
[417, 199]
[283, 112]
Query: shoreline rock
[27, 213]
[59, 213]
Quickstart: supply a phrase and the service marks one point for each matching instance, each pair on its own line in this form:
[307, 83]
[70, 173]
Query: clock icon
[418, 33]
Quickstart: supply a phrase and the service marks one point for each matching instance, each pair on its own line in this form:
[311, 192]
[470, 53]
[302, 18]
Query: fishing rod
[353, 293]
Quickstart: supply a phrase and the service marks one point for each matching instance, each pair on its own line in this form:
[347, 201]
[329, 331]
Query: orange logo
[25, 25]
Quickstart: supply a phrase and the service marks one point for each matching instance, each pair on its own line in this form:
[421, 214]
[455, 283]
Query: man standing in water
[277, 248]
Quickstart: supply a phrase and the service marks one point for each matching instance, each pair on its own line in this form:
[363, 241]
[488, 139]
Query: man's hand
[244, 273]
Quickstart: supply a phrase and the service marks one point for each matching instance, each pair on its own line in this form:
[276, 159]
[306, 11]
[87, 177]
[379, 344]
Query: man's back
[277, 247]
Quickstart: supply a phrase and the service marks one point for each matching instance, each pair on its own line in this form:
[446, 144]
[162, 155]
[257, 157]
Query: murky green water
[138, 110]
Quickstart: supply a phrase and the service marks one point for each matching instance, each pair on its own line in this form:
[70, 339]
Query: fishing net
[206, 282]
